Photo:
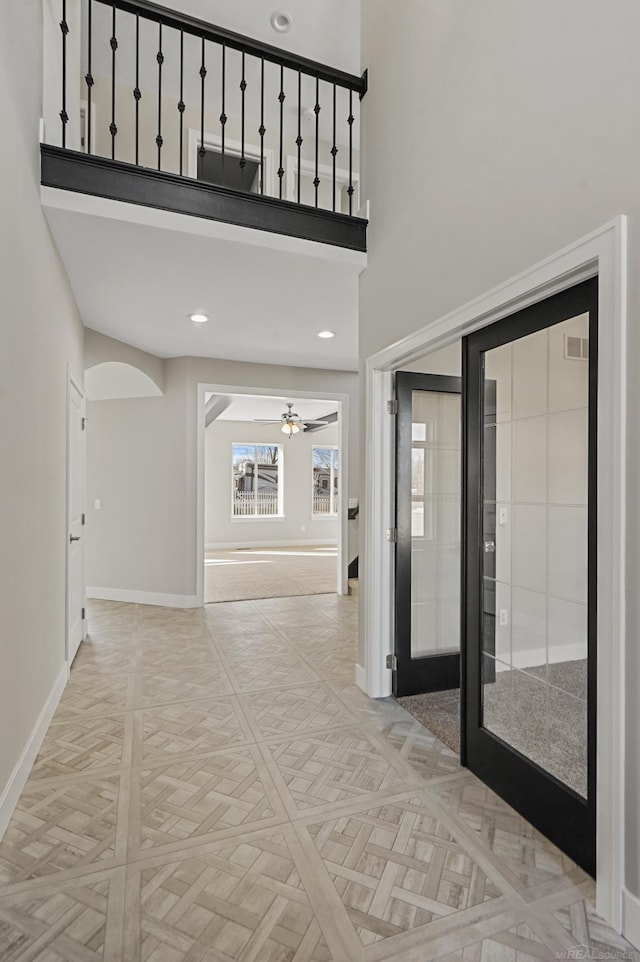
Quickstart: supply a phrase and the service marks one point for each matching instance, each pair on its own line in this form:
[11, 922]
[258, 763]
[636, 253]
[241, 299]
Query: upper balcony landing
[148, 106]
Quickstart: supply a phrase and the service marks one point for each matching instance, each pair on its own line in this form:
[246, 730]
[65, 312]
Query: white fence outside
[322, 505]
[247, 504]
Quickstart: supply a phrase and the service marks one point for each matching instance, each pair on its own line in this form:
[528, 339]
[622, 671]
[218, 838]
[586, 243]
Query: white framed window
[256, 480]
[325, 481]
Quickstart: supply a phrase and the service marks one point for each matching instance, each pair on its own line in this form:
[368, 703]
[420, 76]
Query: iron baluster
[136, 91]
[181, 104]
[89, 76]
[113, 130]
[223, 116]
[334, 149]
[261, 128]
[203, 74]
[350, 121]
[316, 110]
[281, 98]
[299, 137]
[64, 116]
[160, 59]
[243, 87]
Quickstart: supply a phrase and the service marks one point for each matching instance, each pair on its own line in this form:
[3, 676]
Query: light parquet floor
[214, 788]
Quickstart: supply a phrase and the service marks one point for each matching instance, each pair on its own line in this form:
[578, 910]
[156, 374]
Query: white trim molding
[325, 172]
[360, 679]
[133, 597]
[18, 778]
[631, 918]
[602, 253]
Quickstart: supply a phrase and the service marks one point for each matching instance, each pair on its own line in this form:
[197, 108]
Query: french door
[529, 544]
[427, 629]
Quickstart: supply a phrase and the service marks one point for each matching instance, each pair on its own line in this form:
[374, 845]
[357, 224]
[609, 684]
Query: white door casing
[602, 253]
[75, 516]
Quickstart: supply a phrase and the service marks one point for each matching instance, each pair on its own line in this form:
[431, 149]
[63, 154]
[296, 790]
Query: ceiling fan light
[290, 427]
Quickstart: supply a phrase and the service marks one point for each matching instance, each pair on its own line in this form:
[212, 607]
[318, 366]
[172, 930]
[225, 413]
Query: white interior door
[75, 517]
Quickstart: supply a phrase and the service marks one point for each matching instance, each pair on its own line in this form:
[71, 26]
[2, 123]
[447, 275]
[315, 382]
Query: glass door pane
[530, 416]
[428, 505]
[534, 617]
[435, 523]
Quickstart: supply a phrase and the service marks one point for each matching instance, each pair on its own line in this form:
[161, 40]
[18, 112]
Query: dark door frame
[557, 811]
[414, 676]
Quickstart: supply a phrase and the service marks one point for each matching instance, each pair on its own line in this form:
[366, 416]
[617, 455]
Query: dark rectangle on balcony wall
[228, 171]
[114, 180]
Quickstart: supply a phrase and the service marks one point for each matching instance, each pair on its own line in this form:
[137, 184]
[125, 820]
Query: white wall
[447, 361]
[131, 471]
[518, 135]
[141, 464]
[40, 333]
[295, 471]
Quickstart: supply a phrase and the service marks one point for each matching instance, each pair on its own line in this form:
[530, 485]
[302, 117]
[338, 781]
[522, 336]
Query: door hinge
[392, 535]
[83, 519]
[84, 423]
[392, 662]
[392, 406]
[83, 614]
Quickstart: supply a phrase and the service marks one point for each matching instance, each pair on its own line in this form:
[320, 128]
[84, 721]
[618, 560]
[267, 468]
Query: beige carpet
[545, 722]
[439, 711]
[244, 574]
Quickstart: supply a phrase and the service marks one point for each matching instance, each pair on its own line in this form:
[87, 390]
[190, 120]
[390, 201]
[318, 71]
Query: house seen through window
[325, 481]
[256, 480]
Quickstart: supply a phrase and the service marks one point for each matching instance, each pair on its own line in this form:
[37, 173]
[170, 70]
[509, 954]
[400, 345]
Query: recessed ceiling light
[281, 22]
[326, 334]
[198, 318]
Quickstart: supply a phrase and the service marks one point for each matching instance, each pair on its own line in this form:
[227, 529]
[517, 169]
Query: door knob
[73, 538]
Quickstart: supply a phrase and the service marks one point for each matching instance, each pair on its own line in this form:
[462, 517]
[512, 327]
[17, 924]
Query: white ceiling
[138, 283]
[249, 407]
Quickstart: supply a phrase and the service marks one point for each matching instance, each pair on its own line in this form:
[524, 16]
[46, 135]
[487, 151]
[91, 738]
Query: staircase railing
[158, 89]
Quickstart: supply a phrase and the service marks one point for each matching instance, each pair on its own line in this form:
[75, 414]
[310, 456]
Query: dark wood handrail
[236, 41]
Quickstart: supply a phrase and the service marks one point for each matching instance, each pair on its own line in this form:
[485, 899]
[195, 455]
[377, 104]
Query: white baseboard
[631, 918]
[230, 545]
[17, 780]
[143, 597]
[361, 678]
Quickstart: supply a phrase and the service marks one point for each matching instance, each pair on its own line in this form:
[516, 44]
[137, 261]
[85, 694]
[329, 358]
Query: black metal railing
[163, 90]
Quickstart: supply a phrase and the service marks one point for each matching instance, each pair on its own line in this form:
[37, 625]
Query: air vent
[576, 348]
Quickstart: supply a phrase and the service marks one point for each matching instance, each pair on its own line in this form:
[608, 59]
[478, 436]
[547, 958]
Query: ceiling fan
[290, 421]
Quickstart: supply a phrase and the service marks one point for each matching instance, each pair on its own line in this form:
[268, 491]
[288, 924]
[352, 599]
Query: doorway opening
[602, 254]
[271, 496]
[75, 517]
[428, 511]
[528, 439]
